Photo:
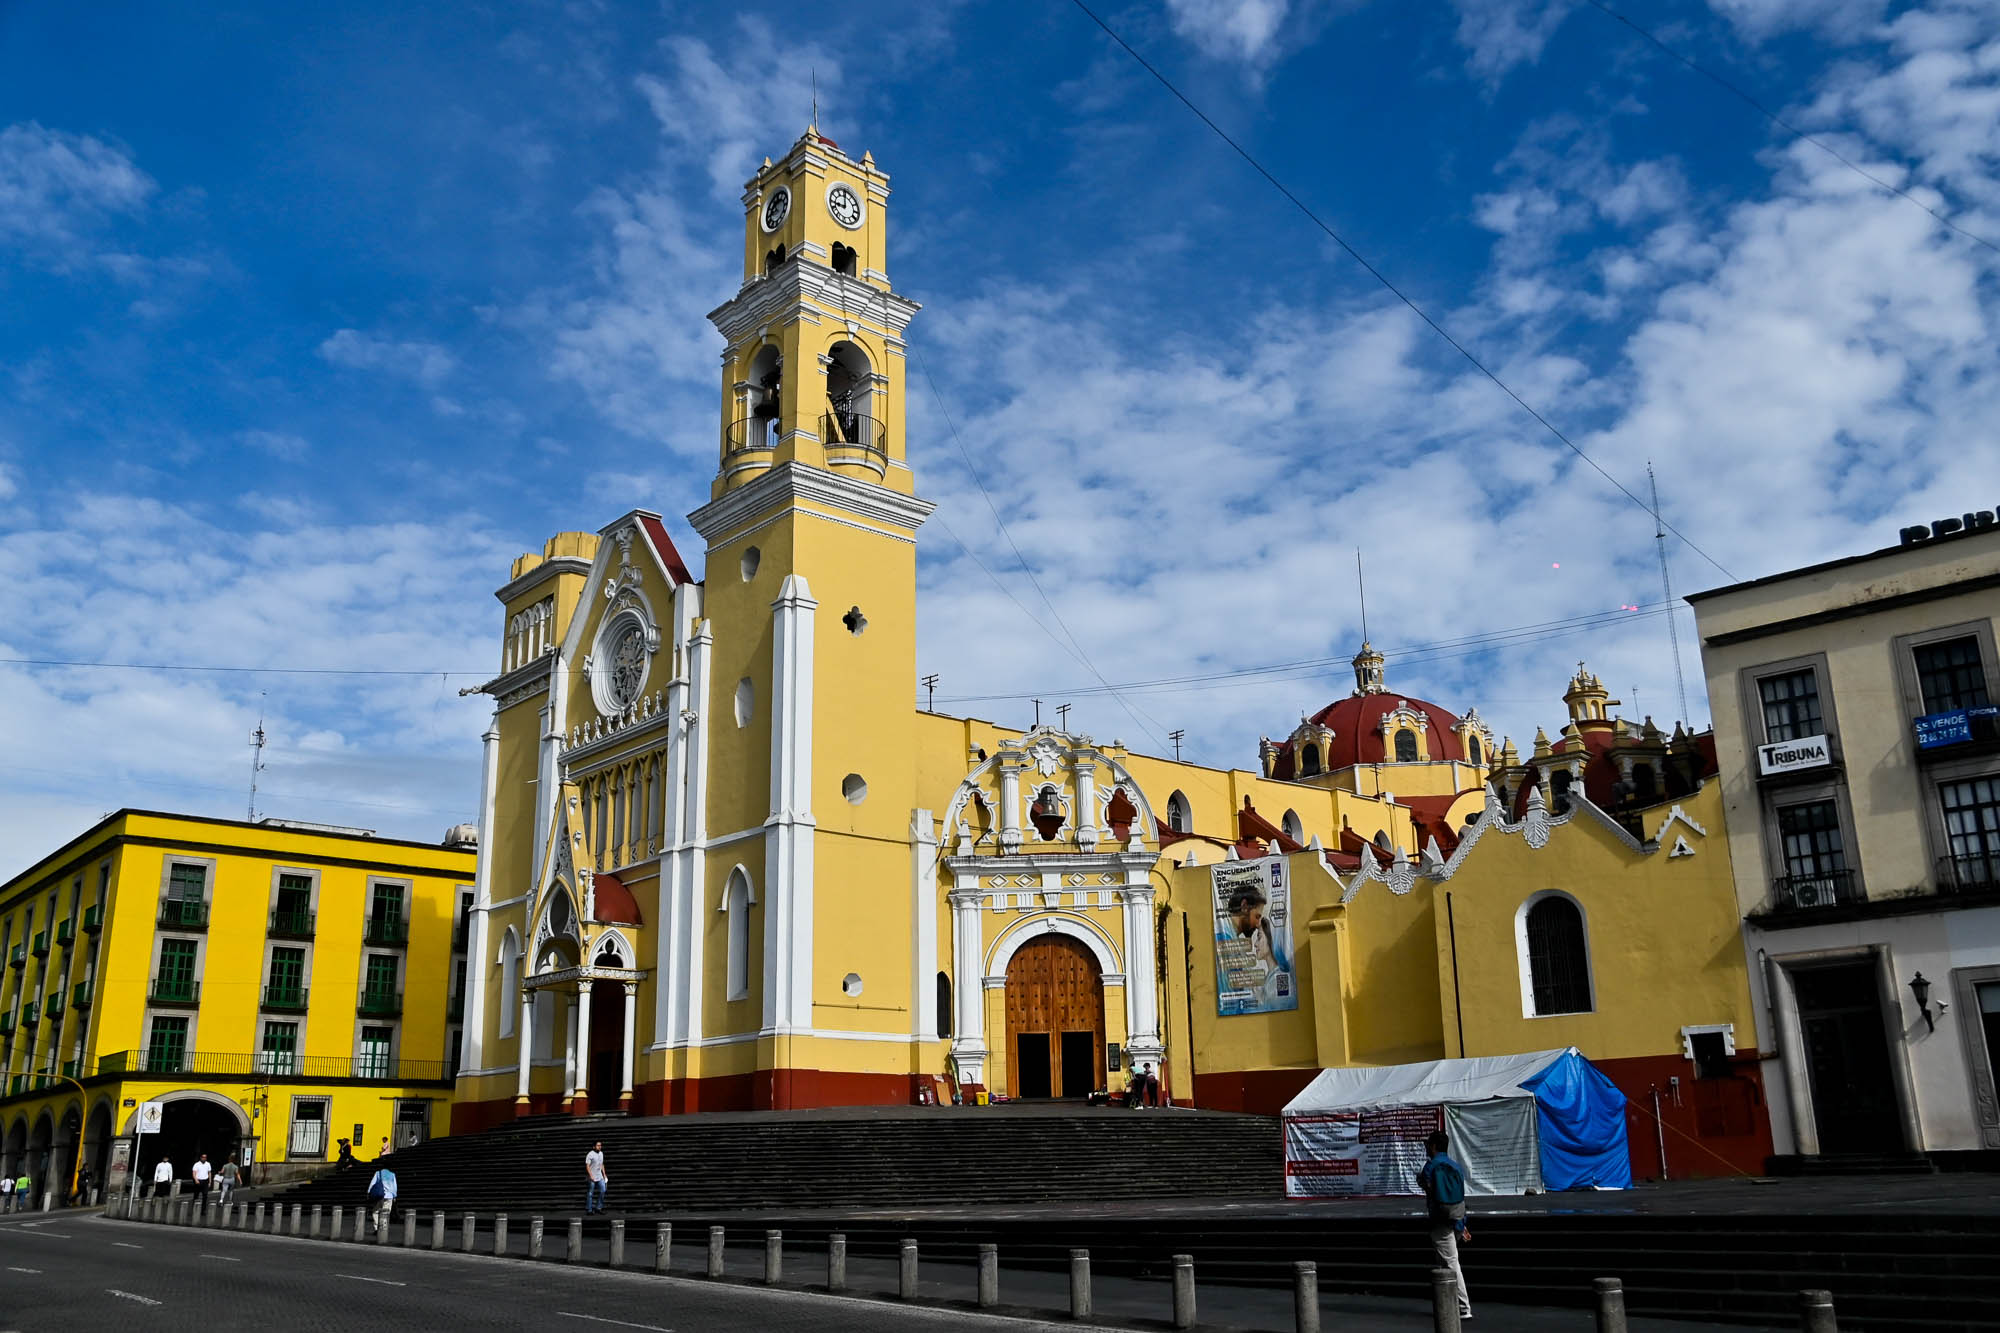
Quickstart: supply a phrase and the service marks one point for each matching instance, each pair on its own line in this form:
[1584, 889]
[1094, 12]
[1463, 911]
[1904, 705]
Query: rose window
[628, 666]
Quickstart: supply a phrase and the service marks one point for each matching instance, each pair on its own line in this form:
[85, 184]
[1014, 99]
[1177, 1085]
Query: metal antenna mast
[256, 762]
[1667, 587]
[1362, 584]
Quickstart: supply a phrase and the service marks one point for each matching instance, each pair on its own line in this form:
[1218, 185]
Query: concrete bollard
[663, 1246]
[989, 1275]
[774, 1258]
[573, 1249]
[257, 1219]
[437, 1229]
[468, 1232]
[1610, 1304]
[836, 1262]
[1444, 1301]
[410, 1229]
[1079, 1285]
[906, 1269]
[381, 1232]
[312, 1226]
[715, 1251]
[1816, 1312]
[617, 1242]
[298, 1212]
[500, 1234]
[535, 1232]
[1305, 1297]
[1183, 1291]
[340, 1223]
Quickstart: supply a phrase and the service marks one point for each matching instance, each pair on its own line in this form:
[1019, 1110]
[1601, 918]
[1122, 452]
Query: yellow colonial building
[730, 864]
[278, 986]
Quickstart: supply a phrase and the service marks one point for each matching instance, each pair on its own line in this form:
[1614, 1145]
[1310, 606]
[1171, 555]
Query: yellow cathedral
[728, 864]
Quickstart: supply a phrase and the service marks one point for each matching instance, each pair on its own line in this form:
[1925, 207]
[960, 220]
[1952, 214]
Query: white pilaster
[968, 982]
[548, 766]
[1142, 1000]
[580, 1042]
[788, 870]
[677, 962]
[525, 1061]
[923, 927]
[1010, 806]
[569, 1050]
[1086, 804]
[631, 1037]
[472, 1037]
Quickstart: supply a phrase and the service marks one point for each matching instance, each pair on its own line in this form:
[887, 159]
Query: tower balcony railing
[292, 924]
[1968, 874]
[380, 1003]
[184, 991]
[386, 931]
[291, 999]
[750, 441]
[855, 439]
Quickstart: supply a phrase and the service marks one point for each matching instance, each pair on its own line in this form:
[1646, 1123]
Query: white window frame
[1527, 970]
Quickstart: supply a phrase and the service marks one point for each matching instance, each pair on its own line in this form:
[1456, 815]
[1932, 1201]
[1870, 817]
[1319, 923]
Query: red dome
[1356, 723]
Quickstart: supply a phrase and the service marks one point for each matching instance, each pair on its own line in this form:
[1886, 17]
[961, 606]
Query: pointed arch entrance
[1055, 1019]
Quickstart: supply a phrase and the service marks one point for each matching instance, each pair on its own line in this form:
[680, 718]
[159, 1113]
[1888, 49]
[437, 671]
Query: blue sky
[314, 319]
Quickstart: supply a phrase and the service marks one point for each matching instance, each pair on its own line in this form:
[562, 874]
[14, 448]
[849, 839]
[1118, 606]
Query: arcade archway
[192, 1124]
[1055, 1019]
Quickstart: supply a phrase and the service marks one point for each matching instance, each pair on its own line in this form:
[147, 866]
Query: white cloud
[1500, 34]
[426, 363]
[112, 577]
[8, 485]
[1760, 20]
[60, 191]
[1240, 30]
[277, 443]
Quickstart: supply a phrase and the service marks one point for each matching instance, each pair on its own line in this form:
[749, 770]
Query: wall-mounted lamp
[1921, 988]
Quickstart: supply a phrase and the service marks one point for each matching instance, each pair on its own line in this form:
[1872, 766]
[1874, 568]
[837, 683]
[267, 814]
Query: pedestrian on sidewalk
[201, 1171]
[346, 1158]
[163, 1176]
[81, 1194]
[593, 1171]
[225, 1180]
[1443, 1181]
[24, 1191]
[381, 1199]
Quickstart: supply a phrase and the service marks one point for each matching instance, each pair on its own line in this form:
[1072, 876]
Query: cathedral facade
[728, 863]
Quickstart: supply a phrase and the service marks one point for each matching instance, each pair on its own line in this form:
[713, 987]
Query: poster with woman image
[1253, 938]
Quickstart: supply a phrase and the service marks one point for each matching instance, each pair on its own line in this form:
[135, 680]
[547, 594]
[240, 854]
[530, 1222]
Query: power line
[1651, 39]
[247, 670]
[1383, 278]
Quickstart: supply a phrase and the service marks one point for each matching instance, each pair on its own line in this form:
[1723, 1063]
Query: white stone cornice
[789, 485]
[798, 286]
[548, 569]
[523, 682]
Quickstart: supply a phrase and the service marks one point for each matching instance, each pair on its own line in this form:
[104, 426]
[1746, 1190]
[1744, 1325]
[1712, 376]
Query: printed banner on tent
[1253, 938]
[1358, 1152]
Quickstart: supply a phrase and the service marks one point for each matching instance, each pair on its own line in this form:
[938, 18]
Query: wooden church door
[1055, 1019]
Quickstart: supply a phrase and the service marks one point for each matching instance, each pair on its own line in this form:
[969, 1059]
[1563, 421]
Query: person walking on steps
[225, 1181]
[381, 1199]
[1443, 1181]
[593, 1171]
[201, 1171]
[163, 1177]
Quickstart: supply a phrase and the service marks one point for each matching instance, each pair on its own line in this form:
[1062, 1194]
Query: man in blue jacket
[1444, 1201]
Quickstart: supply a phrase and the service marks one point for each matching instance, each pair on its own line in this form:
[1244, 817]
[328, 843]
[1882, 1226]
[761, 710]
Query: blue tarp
[1580, 1117]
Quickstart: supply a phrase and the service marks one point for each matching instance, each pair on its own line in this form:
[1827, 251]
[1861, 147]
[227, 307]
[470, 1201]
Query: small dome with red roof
[1374, 726]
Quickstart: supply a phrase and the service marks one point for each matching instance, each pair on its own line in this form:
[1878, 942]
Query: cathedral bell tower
[814, 369]
[810, 601]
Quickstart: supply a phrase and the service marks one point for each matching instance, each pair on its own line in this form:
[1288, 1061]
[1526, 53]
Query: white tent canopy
[1432, 1083]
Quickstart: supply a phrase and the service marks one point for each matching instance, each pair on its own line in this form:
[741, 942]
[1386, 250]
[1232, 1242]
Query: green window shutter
[288, 969]
[177, 961]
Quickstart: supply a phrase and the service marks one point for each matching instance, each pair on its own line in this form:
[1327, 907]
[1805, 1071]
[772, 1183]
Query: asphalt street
[69, 1271]
[83, 1272]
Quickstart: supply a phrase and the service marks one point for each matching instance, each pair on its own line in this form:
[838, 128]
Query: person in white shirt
[381, 1199]
[163, 1177]
[201, 1172]
[593, 1171]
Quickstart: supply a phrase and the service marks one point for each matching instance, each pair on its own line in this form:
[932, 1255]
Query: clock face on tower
[777, 208]
[845, 206]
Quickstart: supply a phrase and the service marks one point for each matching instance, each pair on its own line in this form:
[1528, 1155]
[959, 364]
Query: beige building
[1856, 737]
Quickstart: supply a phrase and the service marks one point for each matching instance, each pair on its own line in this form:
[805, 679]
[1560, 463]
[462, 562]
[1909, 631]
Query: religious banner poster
[1351, 1153]
[1253, 938]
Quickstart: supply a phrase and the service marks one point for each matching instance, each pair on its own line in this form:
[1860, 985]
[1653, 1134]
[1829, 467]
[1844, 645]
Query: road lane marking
[130, 1296]
[225, 1258]
[127, 1245]
[34, 1229]
[382, 1281]
[12, 1269]
[600, 1319]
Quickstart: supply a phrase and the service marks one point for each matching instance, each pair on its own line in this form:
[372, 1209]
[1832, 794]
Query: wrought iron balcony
[750, 441]
[80, 997]
[19, 958]
[93, 918]
[183, 991]
[31, 1013]
[292, 925]
[7, 1021]
[386, 930]
[234, 1065]
[70, 1068]
[66, 933]
[380, 1003]
[291, 999]
[1968, 874]
[183, 914]
[52, 1010]
[852, 438]
[41, 949]
[1808, 893]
